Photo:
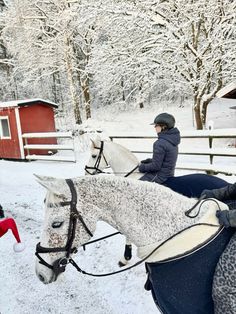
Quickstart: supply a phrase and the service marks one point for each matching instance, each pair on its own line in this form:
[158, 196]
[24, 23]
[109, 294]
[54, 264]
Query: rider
[224, 283]
[165, 151]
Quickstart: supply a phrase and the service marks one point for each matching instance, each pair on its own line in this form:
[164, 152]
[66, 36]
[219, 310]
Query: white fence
[50, 147]
[203, 147]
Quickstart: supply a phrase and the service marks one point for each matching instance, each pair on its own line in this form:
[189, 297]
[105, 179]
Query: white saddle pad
[188, 241]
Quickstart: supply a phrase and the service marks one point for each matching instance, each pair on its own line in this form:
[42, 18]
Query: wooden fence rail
[227, 166]
[49, 147]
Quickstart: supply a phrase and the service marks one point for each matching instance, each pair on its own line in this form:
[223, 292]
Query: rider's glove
[146, 161]
[207, 194]
[223, 217]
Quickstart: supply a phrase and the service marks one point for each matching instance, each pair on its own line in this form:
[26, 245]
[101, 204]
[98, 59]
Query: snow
[15, 103]
[22, 198]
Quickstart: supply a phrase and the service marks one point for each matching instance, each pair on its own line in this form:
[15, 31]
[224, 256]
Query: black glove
[223, 217]
[207, 194]
[146, 161]
[141, 168]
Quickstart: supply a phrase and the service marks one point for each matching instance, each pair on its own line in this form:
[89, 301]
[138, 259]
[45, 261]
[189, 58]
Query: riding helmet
[165, 118]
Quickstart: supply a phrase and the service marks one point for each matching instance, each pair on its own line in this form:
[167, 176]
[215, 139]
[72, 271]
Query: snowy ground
[22, 197]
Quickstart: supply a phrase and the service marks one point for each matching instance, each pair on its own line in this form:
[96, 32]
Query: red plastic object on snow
[9, 223]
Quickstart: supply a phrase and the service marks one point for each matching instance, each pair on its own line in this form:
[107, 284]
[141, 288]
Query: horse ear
[95, 141]
[54, 185]
[92, 143]
[44, 178]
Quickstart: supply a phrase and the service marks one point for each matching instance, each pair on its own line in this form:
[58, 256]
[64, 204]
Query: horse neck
[144, 212]
[121, 160]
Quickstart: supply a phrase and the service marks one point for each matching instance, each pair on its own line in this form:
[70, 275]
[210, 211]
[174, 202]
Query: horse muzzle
[50, 273]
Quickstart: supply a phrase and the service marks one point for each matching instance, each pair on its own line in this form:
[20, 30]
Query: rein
[202, 198]
[72, 262]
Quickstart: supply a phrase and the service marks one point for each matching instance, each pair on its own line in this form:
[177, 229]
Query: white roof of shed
[15, 103]
[226, 90]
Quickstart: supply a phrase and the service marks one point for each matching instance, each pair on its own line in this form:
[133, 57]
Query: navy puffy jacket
[165, 153]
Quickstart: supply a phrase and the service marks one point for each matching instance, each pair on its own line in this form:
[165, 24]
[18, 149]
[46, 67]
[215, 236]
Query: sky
[22, 198]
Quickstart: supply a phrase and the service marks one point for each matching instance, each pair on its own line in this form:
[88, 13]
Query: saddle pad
[187, 241]
[184, 286]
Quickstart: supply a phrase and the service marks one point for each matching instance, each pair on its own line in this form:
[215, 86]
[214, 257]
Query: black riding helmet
[166, 119]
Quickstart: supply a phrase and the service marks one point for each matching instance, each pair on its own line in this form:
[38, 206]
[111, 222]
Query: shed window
[4, 128]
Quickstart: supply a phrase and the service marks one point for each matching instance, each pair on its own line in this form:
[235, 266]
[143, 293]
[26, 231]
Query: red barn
[25, 116]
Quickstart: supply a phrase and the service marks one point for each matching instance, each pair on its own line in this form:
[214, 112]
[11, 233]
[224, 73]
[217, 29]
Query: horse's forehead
[53, 207]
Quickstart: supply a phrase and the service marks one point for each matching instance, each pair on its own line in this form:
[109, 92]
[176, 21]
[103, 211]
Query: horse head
[63, 229]
[105, 153]
[98, 161]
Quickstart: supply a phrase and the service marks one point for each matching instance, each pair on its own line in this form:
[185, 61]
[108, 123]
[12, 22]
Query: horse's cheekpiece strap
[73, 191]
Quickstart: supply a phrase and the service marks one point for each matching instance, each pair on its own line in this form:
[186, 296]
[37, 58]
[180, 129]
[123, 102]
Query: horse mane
[129, 155]
[146, 187]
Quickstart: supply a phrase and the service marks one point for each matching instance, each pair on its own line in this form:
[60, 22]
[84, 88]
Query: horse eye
[57, 224]
[94, 156]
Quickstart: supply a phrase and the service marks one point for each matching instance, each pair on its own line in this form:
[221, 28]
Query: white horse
[124, 163]
[148, 214]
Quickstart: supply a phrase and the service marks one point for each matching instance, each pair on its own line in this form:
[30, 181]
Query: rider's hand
[207, 194]
[146, 161]
[223, 217]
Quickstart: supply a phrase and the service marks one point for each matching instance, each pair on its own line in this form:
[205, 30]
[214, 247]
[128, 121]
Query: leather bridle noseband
[97, 162]
[60, 264]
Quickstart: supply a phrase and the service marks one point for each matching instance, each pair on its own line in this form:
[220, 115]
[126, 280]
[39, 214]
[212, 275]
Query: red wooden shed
[25, 116]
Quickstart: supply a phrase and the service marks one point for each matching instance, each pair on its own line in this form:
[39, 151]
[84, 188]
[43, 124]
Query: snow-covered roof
[229, 91]
[16, 103]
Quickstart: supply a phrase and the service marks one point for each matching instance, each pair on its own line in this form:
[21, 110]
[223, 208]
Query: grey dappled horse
[149, 215]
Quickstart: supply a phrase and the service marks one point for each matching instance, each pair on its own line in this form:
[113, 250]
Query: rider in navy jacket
[165, 151]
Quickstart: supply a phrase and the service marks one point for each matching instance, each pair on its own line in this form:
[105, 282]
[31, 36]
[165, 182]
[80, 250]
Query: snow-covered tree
[197, 50]
[185, 46]
[122, 51]
[51, 39]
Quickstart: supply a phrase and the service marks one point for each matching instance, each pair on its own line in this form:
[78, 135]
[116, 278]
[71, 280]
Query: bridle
[60, 264]
[97, 162]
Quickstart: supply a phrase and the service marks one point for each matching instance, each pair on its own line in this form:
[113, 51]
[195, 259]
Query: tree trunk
[56, 89]
[197, 113]
[72, 84]
[122, 88]
[141, 105]
[204, 111]
[87, 99]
